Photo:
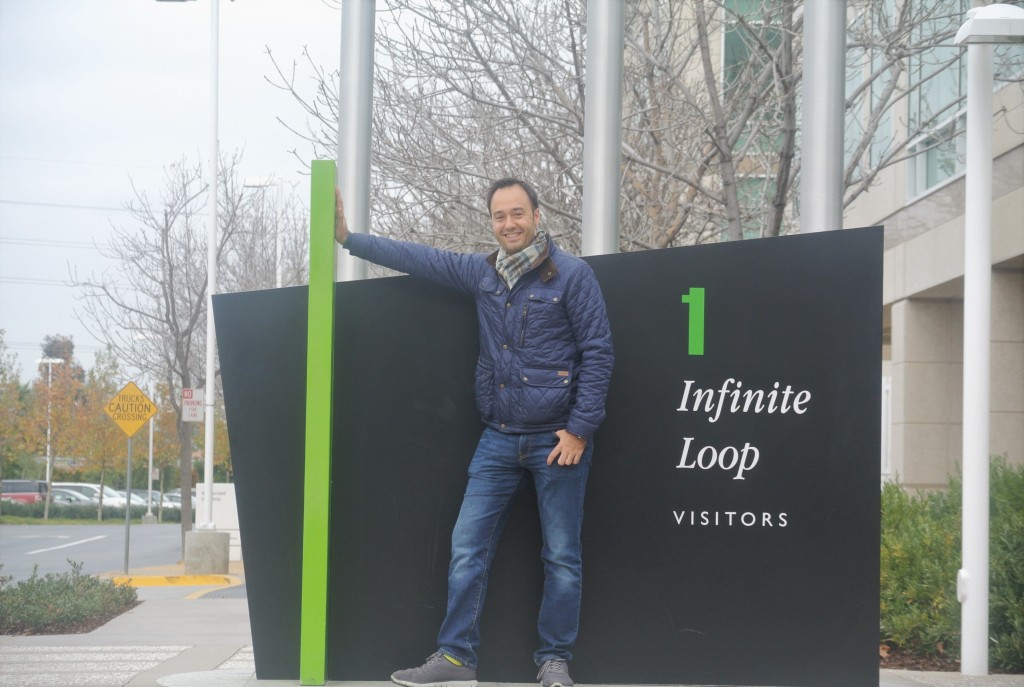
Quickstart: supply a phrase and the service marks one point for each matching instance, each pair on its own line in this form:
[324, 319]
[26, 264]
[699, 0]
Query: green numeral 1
[695, 299]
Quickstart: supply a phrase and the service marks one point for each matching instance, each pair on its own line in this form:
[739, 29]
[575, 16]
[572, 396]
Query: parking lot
[100, 547]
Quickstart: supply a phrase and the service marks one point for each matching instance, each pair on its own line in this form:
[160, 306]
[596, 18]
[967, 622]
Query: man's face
[513, 220]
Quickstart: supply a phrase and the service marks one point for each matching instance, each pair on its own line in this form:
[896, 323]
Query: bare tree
[152, 311]
[902, 68]
[249, 262]
[469, 90]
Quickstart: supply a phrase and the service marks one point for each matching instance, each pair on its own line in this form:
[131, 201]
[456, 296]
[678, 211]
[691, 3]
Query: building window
[938, 82]
[749, 32]
[936, 157]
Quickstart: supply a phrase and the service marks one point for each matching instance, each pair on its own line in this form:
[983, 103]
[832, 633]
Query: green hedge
[61, 603]
[920, 558]
[59, 511]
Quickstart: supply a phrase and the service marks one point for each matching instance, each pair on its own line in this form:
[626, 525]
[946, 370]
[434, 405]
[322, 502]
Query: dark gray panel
[665, 601]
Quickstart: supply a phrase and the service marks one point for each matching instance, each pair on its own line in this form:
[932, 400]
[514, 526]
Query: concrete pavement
[193, 631]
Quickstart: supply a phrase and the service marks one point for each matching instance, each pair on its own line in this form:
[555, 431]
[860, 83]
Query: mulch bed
[894, 659]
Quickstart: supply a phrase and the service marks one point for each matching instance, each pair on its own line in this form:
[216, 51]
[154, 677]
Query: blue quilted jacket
[545, 345]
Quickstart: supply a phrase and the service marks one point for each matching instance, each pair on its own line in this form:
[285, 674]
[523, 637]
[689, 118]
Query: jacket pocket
[547, 394]
[543, 316]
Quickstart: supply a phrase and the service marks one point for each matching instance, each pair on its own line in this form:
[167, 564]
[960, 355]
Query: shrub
[921, 555]
[59, 511]
[61, 603]
[1006, 597]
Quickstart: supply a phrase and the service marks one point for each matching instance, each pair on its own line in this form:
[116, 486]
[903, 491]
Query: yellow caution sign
[130, 409]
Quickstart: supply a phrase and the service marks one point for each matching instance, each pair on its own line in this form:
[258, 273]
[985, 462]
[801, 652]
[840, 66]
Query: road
[100, 548]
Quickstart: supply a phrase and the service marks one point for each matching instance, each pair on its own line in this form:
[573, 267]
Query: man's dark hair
[511, 181]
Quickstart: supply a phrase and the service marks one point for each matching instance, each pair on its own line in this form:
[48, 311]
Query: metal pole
[149, 478]
[821, 146]
[602, 127]
[49, 362]
[206, 517]
[972, 582]
[49, 415]
[128, 508]
[279, 234]
[49, 455]
[355, 109]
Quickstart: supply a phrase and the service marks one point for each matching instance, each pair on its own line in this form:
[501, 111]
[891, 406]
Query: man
[541, 380]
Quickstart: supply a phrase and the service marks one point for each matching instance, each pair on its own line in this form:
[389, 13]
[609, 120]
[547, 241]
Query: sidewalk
[193, 631]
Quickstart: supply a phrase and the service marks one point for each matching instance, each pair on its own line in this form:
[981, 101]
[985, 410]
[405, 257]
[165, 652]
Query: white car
[110, 497]
[138, 499]
[70, 497]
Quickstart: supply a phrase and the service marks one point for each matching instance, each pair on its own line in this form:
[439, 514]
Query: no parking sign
[192, 405]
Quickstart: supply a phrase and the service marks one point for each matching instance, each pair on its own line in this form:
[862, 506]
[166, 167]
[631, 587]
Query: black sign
[732, 516]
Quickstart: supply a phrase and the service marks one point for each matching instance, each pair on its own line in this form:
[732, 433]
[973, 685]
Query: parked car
[172, 500]
[166, 500]
[69, 497]
[110, 497]
[138, 499]
[23, 490]
[174, 496]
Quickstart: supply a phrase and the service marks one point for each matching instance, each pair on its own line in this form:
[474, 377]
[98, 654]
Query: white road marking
[64, 546]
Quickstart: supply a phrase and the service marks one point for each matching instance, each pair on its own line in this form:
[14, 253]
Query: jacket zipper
[522, 334]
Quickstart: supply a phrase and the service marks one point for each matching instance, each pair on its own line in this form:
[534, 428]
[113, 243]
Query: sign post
[193, 403]
[130, 409]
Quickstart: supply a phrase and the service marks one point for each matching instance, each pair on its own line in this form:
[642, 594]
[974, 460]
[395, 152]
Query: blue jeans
[499, 468]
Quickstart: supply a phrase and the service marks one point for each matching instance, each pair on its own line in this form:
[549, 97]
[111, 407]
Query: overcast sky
[97, 93]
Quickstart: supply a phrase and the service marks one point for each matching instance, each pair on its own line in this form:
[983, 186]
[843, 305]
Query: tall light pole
[602, 130]
[206, 517]
[206, 522]
[355, 93]
[821, 148]
[49, 362]
[984, 26]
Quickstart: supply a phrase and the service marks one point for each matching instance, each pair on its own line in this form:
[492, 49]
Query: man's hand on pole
[340, 225]
[569, 449]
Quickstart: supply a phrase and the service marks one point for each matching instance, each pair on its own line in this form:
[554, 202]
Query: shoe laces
[554, 665]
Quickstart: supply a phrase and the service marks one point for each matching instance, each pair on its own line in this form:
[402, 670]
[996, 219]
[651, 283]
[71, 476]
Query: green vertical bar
[319, 397]
[695, 299]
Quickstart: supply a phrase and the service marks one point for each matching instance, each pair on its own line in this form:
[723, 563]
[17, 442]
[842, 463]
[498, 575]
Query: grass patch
[61, 603]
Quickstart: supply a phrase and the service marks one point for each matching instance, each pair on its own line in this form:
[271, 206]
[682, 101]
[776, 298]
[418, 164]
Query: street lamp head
[258, 182]
[50, 361]
[992, 24]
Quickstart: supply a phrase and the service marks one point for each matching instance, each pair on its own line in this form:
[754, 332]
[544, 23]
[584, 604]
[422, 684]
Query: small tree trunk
[185, 461]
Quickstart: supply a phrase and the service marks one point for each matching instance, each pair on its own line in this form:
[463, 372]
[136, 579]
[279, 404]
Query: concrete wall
[923, 297]
[1008, 361]
[927, 383]
[923, 301]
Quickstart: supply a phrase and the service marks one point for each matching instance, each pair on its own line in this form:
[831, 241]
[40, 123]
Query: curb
[175, 580]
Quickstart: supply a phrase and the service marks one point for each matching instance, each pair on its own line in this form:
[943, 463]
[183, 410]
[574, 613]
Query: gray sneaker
[555, 673]
[438, 671]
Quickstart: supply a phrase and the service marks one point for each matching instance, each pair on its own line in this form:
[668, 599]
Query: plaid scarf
[512, 267]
